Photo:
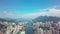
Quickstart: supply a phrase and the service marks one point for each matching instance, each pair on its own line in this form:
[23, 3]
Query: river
[29, 28]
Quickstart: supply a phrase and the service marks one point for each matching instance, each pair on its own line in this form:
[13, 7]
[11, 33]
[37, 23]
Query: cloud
[8, 14]
[44, 12]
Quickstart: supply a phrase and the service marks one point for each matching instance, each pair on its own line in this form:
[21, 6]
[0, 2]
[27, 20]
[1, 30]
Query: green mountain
[46, 18]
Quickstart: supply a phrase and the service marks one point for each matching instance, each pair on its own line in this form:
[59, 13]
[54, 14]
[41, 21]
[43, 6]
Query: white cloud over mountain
[42, 12]
[45, 12]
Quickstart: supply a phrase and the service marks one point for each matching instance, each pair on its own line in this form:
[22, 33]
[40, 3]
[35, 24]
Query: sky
[29, 8]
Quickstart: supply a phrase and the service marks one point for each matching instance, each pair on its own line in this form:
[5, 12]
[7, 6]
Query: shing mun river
[29, 28]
